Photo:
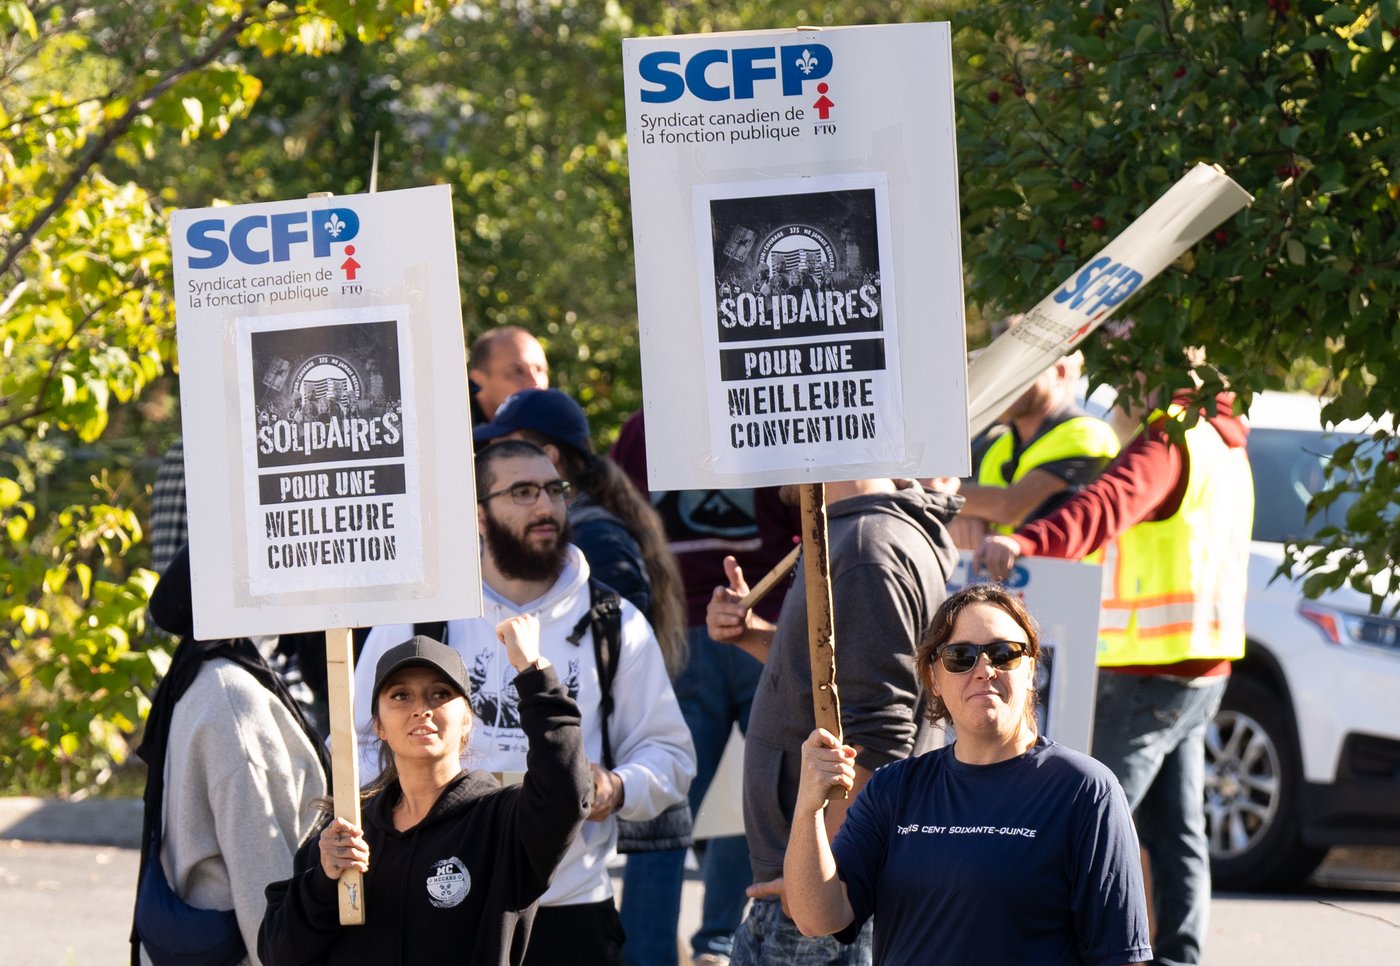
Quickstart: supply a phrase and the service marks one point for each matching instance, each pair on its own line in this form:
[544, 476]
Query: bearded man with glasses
[528, 566]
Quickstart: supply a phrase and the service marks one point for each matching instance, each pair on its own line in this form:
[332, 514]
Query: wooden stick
[345, 761]
[821, 627]
[374, 166]
[770, 579]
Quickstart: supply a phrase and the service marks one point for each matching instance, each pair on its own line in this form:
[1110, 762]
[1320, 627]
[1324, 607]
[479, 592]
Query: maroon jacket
[1144, 483]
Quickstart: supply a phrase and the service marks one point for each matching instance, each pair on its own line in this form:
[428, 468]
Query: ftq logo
[259, 239]
[720, 74]
[1101, 285]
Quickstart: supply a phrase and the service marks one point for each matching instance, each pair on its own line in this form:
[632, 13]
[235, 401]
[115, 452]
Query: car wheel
[1251, 793]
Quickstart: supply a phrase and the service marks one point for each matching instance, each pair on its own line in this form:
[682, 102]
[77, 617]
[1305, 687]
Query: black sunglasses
[962, 657]
[525, 494]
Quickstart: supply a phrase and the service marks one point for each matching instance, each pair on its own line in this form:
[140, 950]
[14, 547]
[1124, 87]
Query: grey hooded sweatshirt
[890, 559]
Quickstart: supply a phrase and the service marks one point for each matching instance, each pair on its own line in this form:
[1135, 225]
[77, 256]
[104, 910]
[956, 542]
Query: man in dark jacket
[503, 360]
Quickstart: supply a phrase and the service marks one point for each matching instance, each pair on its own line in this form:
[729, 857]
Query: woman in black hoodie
[453, 862]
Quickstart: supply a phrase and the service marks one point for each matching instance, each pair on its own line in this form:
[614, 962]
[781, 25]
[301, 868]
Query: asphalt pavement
[68, 877]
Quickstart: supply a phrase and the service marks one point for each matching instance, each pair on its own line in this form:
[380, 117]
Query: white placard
[324, 405]
[722, 811]
[1203, 198]
[790, 188]
[1063, 597]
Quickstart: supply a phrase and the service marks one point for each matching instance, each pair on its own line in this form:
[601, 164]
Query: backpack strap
[604, 619]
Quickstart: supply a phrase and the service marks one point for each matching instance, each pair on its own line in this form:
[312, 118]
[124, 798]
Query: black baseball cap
[420, 651]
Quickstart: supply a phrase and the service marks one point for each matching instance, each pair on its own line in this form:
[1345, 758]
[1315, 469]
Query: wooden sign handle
[345, 761]
[770, 580]
[821, 626]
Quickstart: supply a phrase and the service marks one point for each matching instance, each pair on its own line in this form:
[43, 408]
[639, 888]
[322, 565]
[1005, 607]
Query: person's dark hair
[504, 449]
[609, 487]
[941, 631]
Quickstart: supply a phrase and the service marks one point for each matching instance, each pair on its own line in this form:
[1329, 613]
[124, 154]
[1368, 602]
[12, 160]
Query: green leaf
[1339, 15]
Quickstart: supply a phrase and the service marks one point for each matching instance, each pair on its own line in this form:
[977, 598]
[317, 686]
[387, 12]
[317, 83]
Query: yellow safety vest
[1174, 589]
[1075, 437]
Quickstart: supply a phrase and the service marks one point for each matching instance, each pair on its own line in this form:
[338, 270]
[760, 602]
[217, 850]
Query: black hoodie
[462, 884]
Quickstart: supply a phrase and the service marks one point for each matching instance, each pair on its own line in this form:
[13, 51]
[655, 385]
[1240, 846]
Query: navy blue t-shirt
[1031, 860]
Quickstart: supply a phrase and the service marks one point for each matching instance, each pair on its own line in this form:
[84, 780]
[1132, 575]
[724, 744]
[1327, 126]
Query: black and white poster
[327, 426]
[327, 393]
[800, 324]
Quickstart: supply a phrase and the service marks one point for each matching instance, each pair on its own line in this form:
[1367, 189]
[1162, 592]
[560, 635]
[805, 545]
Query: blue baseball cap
[549, 412]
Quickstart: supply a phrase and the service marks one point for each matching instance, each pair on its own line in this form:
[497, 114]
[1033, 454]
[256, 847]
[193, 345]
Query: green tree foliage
[1074, 115]
[85, 325]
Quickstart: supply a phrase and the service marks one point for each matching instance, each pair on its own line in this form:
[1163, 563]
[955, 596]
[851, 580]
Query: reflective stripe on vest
[1079, 436]
[1174, 589]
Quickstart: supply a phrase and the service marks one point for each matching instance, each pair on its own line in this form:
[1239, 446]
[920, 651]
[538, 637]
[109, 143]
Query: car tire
[1253, 778]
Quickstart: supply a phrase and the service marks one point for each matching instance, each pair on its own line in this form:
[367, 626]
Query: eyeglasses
[525, 493]
[962, 657]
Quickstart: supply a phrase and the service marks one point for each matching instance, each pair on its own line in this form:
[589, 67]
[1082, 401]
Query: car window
[1289, 465]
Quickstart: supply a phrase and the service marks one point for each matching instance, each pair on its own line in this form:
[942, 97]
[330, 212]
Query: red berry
[1221, 235]
[1061, 244]
[1391, 456]
[1180, 71]
[993, 96]
[1097, 223]
[1019, 91]
[1077, 185]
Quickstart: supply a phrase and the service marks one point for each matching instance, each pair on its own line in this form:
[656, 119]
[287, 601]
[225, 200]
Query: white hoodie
[651, 743]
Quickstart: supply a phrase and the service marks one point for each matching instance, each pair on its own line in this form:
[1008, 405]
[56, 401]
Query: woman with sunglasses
[1001, 848]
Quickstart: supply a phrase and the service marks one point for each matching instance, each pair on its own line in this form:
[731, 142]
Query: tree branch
[119, 127]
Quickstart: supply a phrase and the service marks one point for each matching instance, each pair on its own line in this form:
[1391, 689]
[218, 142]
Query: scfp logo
[705, 76]
[1103, 284]
[259, 239]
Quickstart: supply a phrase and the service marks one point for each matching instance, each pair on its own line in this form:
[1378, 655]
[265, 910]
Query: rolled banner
[1195, 205]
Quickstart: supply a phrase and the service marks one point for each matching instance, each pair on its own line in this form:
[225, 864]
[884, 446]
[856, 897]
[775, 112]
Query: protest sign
[799, 275]
[1196, 204]
[1063, 597]
[325, 415]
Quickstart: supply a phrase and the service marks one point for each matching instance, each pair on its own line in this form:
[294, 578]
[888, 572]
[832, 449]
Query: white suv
[1305, 752]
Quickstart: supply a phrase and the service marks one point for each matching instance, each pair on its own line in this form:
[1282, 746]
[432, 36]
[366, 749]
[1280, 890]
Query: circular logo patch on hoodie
[448, 882]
